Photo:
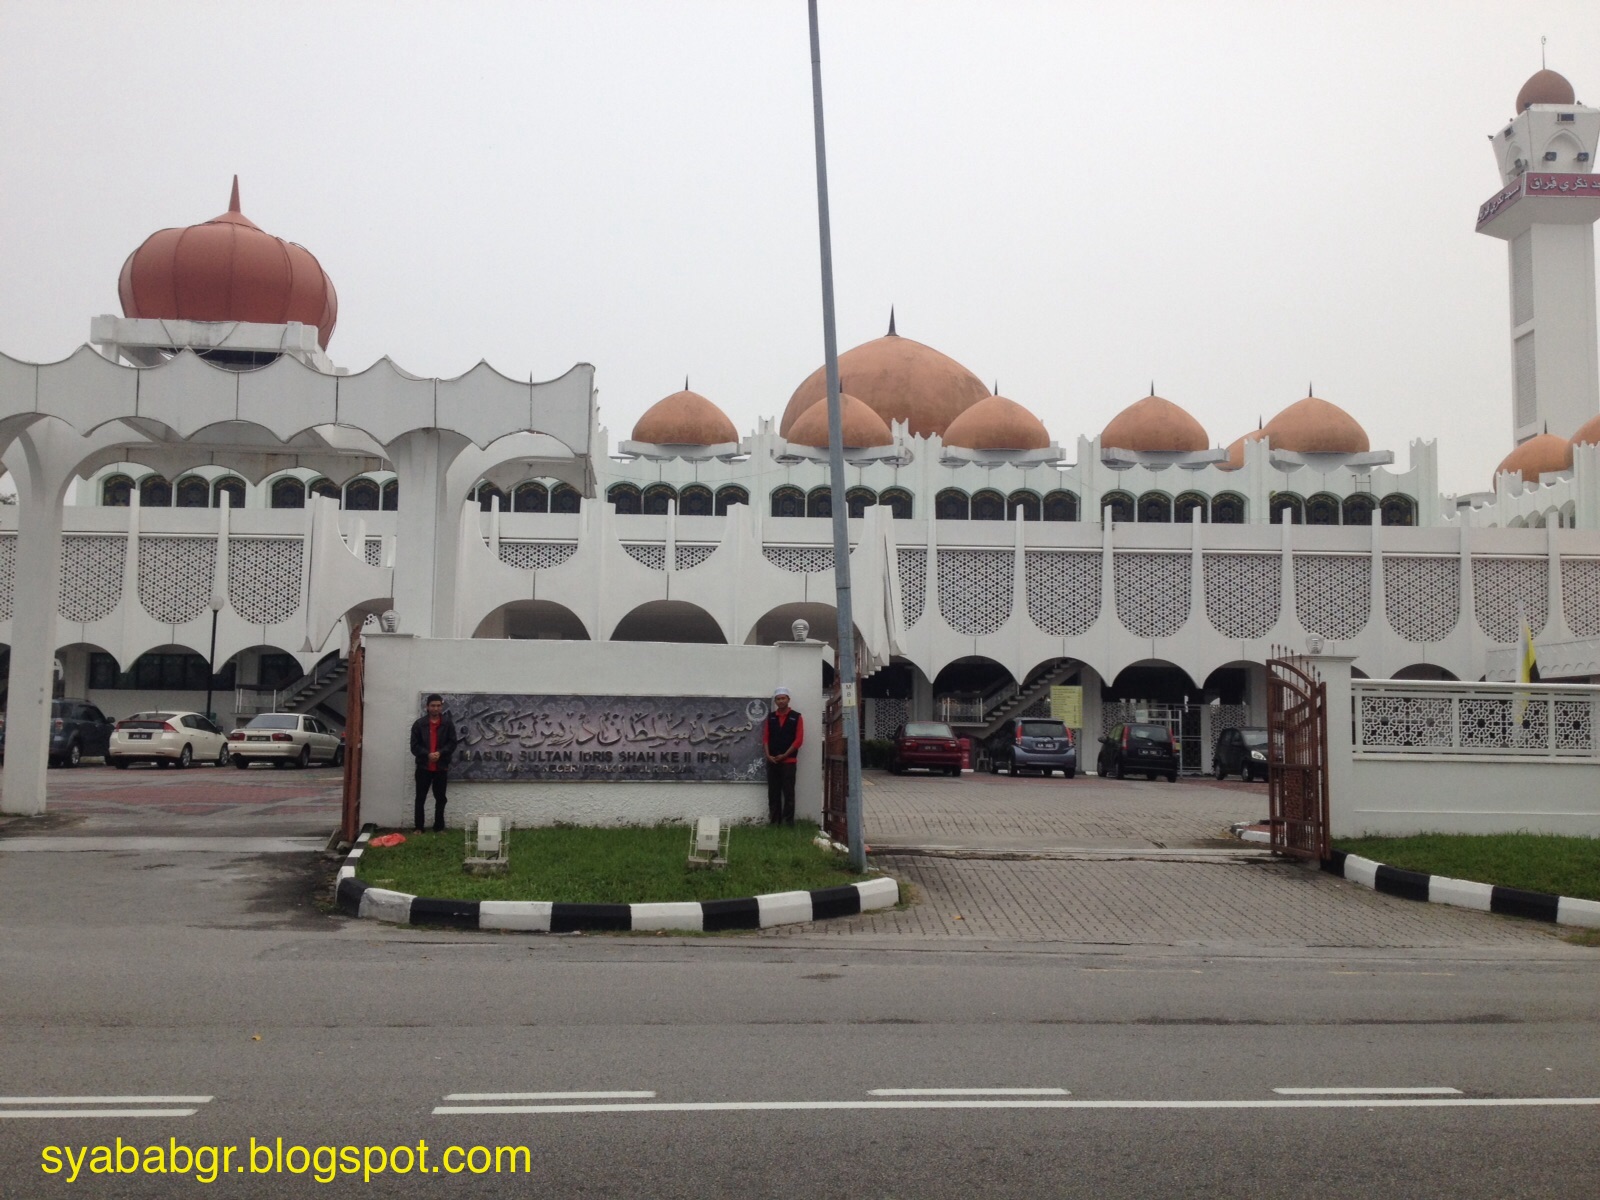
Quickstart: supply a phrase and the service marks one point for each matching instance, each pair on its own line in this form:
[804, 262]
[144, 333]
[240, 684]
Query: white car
[168, 739]
[284, 738]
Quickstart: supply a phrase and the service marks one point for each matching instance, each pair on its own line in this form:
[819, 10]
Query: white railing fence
[1394, 718]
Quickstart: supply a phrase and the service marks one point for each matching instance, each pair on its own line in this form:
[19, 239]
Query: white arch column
[428, 530]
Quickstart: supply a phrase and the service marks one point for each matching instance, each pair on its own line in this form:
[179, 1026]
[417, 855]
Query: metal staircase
[308, 694]
[981, 718]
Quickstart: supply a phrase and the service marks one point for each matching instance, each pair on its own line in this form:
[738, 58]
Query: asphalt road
[215, 980]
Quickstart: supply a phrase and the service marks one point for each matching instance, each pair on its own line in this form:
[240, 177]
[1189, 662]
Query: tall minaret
[1546, 213]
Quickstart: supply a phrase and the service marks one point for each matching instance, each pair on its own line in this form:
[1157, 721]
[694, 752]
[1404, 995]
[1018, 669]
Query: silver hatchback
[1040, 744]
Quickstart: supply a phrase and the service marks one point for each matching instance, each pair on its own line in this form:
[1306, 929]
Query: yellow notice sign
[1066, 706]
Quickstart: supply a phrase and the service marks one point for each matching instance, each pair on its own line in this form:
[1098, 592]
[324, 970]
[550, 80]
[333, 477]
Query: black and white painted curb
[358, 899]
[1485, 897]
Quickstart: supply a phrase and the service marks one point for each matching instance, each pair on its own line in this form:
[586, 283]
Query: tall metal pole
[836, 483]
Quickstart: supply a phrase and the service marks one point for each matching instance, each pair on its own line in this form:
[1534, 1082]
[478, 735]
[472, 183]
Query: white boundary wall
[400, 668]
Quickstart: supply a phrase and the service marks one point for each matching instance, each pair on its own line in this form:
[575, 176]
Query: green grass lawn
[627, 865]
[1566, 866]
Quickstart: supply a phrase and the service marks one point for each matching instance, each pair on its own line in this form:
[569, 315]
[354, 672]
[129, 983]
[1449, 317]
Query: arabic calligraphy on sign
[1566, 185]
[532, 738]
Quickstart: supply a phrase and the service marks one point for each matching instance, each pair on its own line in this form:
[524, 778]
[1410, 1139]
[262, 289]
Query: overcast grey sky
[1231, 199]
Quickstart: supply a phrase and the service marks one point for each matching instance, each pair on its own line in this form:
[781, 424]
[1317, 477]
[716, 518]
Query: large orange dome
[1545, 87]
[228, 269]
[900, 380]
[996, 423]
[1313, 426]
[685, 419]
[1154, 426]
[1588, 433]
[1539, 454]
[859, 426]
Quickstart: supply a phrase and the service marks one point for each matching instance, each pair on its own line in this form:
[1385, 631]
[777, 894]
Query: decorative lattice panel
[649, 554]
[1063, 590]
[536, 556]
[1414, 722]
[975, 589]
[372, 551]
[175, 577]
[1153, 593]
[8, 574]
[1242, 593]
[688, 557]
[91, 577]
[1498, 584]
[1333, 594]
[1574, 725]
[800, 558]
[1422, 595]
[913, 584]
[1228, 716]
[264, 578]
[889, 715]
[1580, 595]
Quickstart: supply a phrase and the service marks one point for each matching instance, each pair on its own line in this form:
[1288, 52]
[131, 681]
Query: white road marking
[163, 845]
[969, 1092]
[551, 1096]
[21, 1114]
[105, 1099]
[1350, 1091]
[858, 1105]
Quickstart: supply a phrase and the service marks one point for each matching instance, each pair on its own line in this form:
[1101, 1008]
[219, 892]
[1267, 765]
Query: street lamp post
[211, 660]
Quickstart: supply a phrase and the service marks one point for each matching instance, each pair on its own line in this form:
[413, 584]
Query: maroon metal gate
[835, 768]
[1297, 754]
[350, 823]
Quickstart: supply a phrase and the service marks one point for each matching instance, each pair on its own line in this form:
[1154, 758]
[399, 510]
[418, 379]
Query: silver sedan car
[284, 739]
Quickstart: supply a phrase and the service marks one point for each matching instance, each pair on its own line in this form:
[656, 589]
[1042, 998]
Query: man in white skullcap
[782, 735]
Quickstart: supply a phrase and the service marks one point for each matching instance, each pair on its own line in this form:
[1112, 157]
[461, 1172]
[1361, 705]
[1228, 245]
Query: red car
[928, 744]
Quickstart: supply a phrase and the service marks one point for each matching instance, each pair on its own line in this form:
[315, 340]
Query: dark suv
[1040, 744]
[78, 730]
[1241, 752]
[1146, 750]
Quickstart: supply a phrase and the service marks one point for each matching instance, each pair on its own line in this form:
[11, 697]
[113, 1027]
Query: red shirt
[433, 735]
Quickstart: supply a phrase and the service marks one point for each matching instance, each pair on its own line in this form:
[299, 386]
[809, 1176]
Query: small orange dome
[1313, 426]
[859, 425]
[1588, 433]
[228, 269]
[1545, 87]
[996, 423]
[1153, 426]
[1539, 454]
[1236, 449]
[900, 380]
[685, 419]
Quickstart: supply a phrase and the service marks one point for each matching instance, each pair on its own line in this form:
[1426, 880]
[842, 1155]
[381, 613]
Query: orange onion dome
[995, 423]
[228, 269]
[859, 425]
[1236, 450]
[1313, 426]
[1545, 87]
[685, 419]
[1539, 454]
[1154, 426]
[900, 380]
[1588, 433]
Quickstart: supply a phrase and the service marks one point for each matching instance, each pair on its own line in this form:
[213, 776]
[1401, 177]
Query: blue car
[78, 730]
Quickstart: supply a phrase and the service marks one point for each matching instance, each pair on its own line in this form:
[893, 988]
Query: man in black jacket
[433, 741]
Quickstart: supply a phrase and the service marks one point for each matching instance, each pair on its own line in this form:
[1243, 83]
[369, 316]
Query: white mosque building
[224, 485]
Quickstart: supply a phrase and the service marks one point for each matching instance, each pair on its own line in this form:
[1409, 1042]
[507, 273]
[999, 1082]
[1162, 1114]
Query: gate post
[1334, 670]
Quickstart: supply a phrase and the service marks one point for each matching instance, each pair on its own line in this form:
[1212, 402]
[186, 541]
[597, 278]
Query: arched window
[564, 498]
[858, 499]
[1322, 509]
[988, 505]
[1358, 508]
[695, 501]
[116, 491]
[1186, 505]
[624, 497]
[898, 501]
[1026, 503]
[362, 495]
[1287, 509]
[488, 494]
[193, 492]
[155, 492]
[1061, 506]
[730, 494]
[819, 502]
[391, 496]
[1117, 506]
[788, 501]
[1398, 509]
[230, 486]
[530, 497]
[325, 487]
[1155, 508]
[1227, 508]
[657, 497]
[952, 505]
[288, 492]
